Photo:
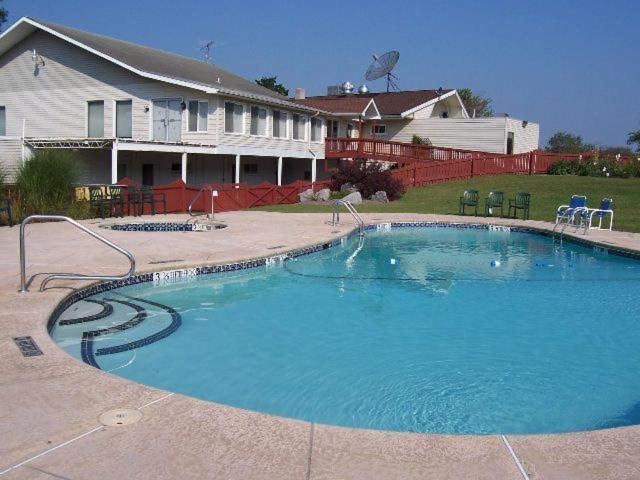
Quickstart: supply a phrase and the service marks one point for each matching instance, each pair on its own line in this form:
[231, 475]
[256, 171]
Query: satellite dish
[382, 66]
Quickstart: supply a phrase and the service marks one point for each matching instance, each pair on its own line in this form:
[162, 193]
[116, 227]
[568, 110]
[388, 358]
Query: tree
[475, 103]
[634, 139]
[272, 84]
[3, 16]
[565, 142]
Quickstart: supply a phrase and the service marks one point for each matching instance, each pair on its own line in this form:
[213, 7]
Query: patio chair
[494, 200]
[521, 202]
[6, 208]
[469, 199]
[569, 213]
[115, 200]
[97, 199]
[587, 215]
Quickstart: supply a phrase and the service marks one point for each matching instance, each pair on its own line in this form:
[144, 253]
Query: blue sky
[569, 65]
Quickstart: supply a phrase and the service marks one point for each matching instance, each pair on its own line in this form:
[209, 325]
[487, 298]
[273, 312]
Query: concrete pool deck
[50, 404]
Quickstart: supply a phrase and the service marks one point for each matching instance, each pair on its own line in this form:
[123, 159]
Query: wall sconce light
[183, 106]
[37, 59]
[146, 109]
[525, 123]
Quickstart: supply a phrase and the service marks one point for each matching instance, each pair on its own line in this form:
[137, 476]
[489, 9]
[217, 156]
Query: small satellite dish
[383, 65]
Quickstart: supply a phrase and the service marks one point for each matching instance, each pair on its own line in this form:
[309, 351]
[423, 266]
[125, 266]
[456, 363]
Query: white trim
[433, 101]
[243, 122]
[160, 99]
[376, 125]
[197, 130]
[305, 128]
[86, 116]
[265, 152]
[322, 123]
[286, 123]
[114, 125]
[376, 117]
[163, 147]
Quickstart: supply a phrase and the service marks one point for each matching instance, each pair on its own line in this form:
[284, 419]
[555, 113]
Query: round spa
[411, 327]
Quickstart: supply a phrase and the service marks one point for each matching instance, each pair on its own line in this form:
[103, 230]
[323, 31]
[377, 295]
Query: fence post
[415, 175]
[473, 161]
[530, 163]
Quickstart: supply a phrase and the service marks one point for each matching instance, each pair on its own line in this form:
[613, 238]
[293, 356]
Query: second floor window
[95, 119]
[332, 128]
[198, 112]
[123, 119]
[279, 124]
[299, 127]
[3, 121]
[258, 121]
[233, 117]
[316, 130]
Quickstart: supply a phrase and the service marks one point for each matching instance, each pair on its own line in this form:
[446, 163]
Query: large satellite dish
[382, 66]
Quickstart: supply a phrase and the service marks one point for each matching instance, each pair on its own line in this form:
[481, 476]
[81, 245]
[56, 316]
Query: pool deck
[50, 404]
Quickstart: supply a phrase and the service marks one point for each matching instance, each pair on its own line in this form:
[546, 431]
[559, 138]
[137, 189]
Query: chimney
[300, 94]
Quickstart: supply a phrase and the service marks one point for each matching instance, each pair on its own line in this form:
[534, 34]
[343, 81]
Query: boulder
[380, 196]
[348, 187]
[307, 196]
[323, 195]
[354, 197]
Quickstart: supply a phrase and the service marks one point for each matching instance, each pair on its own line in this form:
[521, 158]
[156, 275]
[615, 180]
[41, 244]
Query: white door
[167, 120]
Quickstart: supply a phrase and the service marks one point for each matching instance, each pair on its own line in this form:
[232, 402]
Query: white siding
[526, 138]
[10, 157]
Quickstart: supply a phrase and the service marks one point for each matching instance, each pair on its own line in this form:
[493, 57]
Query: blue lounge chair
[568, 214]
[589, 214]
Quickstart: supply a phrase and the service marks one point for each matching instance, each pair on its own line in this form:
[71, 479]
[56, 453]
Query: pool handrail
[195, 199]
[351, 209]
[24, 284]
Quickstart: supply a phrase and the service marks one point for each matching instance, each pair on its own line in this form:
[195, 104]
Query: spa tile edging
[102, 287]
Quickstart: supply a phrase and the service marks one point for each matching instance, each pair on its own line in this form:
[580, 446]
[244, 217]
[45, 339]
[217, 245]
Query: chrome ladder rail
[24, 284]
[351, 209]
[195, 199]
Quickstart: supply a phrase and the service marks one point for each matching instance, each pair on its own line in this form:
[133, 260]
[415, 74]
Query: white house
[129, 110]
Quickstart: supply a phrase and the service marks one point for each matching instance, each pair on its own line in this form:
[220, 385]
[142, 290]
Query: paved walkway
[49, 404]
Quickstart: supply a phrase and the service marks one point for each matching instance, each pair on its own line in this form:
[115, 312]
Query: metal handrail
[24, 284]
[351, 209]
[195, 199]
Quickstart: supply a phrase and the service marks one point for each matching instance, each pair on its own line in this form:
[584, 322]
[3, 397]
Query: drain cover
[119, 417]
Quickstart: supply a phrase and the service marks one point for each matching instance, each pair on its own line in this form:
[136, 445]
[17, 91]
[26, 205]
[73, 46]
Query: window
[3, 121]
[299, 127]
[379, 130]
[250, 168]
[233, 116]
[198, 112]
[95, 119]
[279, 124]
[444, 114]
[258, 121]
[316, 130]
[123, 119]
[332, 128]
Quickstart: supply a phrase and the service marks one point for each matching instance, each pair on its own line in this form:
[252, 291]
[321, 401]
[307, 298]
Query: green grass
[547, 192]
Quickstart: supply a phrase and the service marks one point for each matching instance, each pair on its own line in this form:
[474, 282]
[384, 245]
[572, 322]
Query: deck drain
[156, 262]
[28, 346]
[275, 247]
[120, 417]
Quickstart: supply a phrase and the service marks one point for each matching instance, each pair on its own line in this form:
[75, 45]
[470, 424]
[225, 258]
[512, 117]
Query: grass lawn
[547, 192]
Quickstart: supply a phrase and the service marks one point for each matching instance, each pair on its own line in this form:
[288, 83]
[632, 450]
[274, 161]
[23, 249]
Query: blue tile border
[259, 262]
[162, 227]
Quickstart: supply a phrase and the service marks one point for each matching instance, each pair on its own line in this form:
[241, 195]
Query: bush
[596, 168]
[368, 178]
[565, 167]
[45, 183]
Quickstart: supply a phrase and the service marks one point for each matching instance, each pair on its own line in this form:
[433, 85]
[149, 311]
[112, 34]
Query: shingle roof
[388, 103]
[151, 60]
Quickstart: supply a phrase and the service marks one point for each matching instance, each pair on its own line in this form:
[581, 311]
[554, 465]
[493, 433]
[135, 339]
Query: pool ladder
[351, 209]
[195, 199]
[24, 283]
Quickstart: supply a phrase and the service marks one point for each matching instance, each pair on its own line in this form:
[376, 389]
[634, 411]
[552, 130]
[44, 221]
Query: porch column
[237, 179]
[184, 167]
[279, 171]
[313, 170]
[114, 163]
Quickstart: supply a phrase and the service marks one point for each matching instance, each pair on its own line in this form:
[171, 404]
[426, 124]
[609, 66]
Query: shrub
[368, 178]
[45, 182]
[565, 167]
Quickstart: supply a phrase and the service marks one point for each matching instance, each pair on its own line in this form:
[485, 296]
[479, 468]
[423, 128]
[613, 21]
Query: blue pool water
[415, 329]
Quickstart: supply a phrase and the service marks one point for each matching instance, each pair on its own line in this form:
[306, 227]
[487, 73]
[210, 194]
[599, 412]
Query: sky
[568, 65]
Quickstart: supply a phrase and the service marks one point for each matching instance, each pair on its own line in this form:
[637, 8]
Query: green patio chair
[521, 202]
[495, 200]
[115, 200]
[469, 199]
[5, 206]
[97, 199]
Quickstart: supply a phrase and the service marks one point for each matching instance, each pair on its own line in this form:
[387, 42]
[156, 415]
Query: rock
[307, 196]
[348, 187]
[354, 197]
[323, 195]
[380, 196]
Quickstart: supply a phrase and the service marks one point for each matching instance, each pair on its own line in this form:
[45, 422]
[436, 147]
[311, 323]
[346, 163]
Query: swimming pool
[441, 330]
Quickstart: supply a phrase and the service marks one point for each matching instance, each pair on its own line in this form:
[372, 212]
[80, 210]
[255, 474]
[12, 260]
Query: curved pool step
[107, 309]
[86, 346]
[176, 321]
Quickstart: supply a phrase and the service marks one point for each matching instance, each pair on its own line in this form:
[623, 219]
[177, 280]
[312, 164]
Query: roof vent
[347, 87]
[363, 89]
[300, 94]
